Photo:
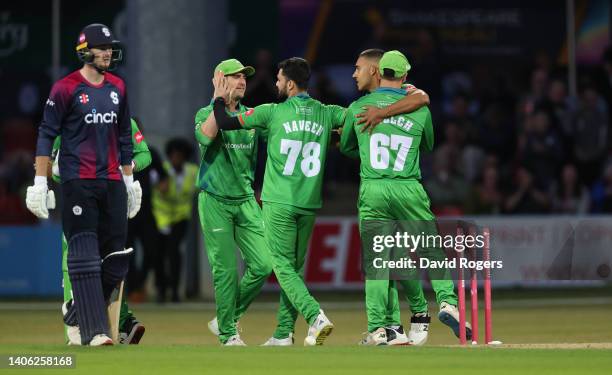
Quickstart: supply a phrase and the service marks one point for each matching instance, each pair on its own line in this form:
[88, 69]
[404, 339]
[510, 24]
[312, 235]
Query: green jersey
[141, 154]
[392, 150]
[298, 133]
[227, 163]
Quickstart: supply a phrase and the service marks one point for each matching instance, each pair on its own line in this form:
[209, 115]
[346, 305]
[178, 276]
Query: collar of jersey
[241, 108]
[302, 95]
[391, 90]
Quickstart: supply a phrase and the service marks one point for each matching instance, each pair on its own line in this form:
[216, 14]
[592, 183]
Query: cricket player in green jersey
[391, 190]
[130, 329]
[229, 213]
[298, 133]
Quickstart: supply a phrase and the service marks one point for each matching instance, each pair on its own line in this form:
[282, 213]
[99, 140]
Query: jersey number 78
[310, 165]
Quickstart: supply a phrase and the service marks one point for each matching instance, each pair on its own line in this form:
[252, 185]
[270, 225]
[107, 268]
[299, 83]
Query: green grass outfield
[556, 336]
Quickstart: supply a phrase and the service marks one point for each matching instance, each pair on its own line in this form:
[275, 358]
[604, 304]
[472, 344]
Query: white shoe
[319, 330]
[396, 335]
[101, 340]
[234, 341]
[449, 315]
[376, 338]
[419, 329]
[273, 341]
[213, 326]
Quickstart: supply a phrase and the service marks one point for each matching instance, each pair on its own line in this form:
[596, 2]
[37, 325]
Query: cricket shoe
[419, 329]
[273, 341]
[73, 332]
[234, 341]
[101, 340]
[396, 335]
[449, 315]
[376, 338]
[319, 330]
[131, 332]
[213, 327]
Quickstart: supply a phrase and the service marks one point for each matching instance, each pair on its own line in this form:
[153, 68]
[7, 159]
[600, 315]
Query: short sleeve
[338, 115]
[258, 117]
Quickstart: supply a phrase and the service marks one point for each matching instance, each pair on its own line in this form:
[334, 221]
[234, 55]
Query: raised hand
[221, 86]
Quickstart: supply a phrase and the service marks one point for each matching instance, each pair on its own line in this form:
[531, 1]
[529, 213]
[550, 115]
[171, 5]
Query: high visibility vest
[175, 205]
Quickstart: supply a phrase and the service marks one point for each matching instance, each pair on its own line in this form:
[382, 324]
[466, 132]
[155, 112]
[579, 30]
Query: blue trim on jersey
[390, 90]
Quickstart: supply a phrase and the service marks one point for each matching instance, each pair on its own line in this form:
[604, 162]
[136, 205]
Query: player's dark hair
[390, 75]
[372, 53]
[296, 69]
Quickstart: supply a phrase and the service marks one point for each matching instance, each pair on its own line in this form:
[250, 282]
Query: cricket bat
[114, 308]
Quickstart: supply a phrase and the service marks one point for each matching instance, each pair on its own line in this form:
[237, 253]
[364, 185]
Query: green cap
[233, 66]
[396, 61]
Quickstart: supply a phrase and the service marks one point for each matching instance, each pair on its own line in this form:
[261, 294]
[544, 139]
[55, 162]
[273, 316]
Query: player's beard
[101, 65]
[236, 96]
[282, 93]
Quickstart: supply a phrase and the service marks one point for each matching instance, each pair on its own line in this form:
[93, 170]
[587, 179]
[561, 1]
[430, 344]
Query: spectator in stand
[557, 104]
[601, 194]
[486, 197]
[497, 132]
[570, 196]
[604, 80]
[459, 113]
[526, 197]
[467, 160]
[540, 149]
[447, 189]
[537, 92]
[590, 134]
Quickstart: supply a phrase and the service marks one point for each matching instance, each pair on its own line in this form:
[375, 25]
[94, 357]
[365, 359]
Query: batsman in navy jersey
[89, 110]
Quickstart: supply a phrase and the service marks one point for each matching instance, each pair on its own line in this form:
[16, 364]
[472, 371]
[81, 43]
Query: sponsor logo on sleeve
[138, 137]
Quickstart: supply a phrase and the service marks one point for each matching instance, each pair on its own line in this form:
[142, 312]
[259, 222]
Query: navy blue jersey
[94, 122]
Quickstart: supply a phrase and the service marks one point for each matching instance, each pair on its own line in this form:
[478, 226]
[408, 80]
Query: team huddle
[386, 129]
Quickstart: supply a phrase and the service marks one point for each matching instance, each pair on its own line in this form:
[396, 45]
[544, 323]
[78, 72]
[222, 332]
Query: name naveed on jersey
[303, 125]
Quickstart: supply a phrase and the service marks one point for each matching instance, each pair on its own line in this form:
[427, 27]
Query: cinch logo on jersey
[50, 103]
[101, 118]
[303, 125]
[399, 121]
